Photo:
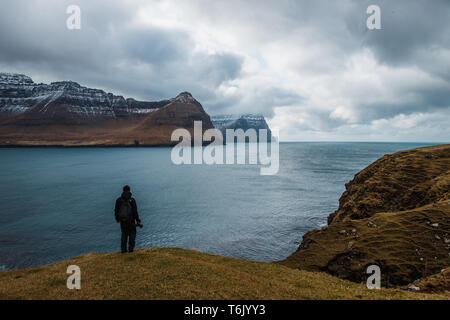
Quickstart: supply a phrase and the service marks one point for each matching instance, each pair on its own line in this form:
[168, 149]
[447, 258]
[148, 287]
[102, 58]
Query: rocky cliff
[66, 113]
[180, 112]
[27, 103]
[395, 214]
[244, 122]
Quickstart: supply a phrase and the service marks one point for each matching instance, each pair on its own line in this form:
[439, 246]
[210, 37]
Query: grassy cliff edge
[170, 273]
[395, 214]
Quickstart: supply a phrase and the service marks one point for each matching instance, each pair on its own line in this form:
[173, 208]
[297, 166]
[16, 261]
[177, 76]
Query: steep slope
[158, 126]
[395, 214]
[182, 111]
[24, 102]
[164, 273]
[436, 283]
[18, 94]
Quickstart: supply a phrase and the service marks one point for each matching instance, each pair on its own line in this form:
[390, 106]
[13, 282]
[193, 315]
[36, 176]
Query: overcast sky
[311, 67]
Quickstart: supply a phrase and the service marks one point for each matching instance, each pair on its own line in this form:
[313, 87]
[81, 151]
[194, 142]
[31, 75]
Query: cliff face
[24, 102]
[65, 113]
[403, 181]
[181, 112]
[395, 214]
[244, 122]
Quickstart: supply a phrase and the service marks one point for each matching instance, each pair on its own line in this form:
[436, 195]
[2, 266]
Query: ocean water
[58, 203]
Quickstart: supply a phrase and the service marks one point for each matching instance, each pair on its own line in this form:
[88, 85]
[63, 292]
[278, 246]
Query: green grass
[169, 273]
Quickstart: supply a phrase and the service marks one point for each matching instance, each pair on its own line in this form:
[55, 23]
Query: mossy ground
[404, 245]
[168, 273]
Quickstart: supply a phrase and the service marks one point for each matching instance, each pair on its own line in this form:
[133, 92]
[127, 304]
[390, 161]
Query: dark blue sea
[57, 203]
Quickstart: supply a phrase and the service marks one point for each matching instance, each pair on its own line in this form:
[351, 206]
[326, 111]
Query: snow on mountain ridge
[227, 120]
[12, 78]
[185, 97]
[19, 94]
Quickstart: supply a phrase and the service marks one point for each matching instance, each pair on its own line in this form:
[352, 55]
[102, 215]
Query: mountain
[180, 112]
[395, 214]
[66, 113]
[27, 103]
[244, 122]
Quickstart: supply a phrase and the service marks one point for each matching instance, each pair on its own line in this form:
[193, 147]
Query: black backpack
[125, 211]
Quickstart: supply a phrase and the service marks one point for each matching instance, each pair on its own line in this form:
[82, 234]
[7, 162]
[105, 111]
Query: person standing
[126, 214]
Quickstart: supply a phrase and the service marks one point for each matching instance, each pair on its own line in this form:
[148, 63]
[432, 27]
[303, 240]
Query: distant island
[67, 114]
[244, 122]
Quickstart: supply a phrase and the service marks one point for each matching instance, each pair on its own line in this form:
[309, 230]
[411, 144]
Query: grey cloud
[108, 52]
[425, 99]
[263, 101]
[155, 46]
[408, 27]
[217, 68]
[150, 62]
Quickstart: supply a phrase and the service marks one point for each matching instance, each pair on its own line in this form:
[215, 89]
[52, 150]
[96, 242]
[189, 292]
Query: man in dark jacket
[126, 214]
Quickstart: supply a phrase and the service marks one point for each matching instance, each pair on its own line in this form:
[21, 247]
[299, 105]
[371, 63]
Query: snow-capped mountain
[255, 121]
[68, 114]
[184, 97]
[19, 95]
[244, 122]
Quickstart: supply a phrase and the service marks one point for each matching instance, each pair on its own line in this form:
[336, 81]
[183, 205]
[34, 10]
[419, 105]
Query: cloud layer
[311, 67]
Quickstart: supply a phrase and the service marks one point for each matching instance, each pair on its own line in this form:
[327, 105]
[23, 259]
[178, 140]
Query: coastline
[64, 146]
[308, 257]
[394, 214]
